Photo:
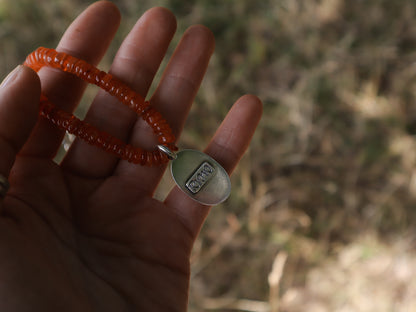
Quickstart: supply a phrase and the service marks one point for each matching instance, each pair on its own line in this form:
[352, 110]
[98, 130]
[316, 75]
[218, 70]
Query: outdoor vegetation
[322, 216]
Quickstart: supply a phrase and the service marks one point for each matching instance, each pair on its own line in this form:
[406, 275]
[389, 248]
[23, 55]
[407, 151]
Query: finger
[173, 98]
[136, 64]
[87, 38]
[19, 107]
[227, 147]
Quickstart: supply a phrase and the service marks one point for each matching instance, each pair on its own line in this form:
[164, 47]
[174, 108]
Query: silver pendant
[199, 176]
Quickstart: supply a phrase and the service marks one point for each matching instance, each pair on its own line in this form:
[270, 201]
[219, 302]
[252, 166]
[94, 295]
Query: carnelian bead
[119, 151]
[93, 135]
[169, 138]
[82, 132]
[127, 152]
[48, 56]
[59, 58]
[99, 77]
[149, 158]
[143, 158]
[154, 117]
[157, 157]
[104, 138]
[135, 158]
[73, 124]
[105, 82]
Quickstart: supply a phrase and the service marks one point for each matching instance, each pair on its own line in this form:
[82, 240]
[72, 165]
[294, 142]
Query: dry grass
[329, 183]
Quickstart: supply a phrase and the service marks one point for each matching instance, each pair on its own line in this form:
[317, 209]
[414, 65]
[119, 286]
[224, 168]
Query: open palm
[86, 235]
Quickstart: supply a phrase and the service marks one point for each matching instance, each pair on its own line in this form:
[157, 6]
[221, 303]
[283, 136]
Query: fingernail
[11, 77]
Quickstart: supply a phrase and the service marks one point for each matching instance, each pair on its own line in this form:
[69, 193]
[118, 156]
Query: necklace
[196, 173]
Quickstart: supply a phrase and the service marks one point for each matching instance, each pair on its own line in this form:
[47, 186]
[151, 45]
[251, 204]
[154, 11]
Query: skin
[86, 234]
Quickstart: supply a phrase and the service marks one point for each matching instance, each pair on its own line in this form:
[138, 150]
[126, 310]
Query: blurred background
[322, 214]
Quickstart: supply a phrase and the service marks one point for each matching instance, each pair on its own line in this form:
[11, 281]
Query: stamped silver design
[201, 176]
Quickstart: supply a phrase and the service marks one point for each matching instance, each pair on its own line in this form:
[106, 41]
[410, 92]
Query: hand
[86, 235]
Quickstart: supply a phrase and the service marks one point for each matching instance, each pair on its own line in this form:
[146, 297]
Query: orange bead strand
[67, 121]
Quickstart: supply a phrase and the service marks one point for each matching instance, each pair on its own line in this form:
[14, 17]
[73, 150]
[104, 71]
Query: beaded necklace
[196, 173]
[67, 63]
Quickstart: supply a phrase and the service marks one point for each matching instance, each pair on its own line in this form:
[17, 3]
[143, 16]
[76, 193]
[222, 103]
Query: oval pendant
[200, 177]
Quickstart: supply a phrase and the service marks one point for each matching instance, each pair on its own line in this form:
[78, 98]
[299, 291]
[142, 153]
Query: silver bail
[171, 155]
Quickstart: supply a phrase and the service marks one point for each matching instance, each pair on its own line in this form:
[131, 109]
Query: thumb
[19, 107]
